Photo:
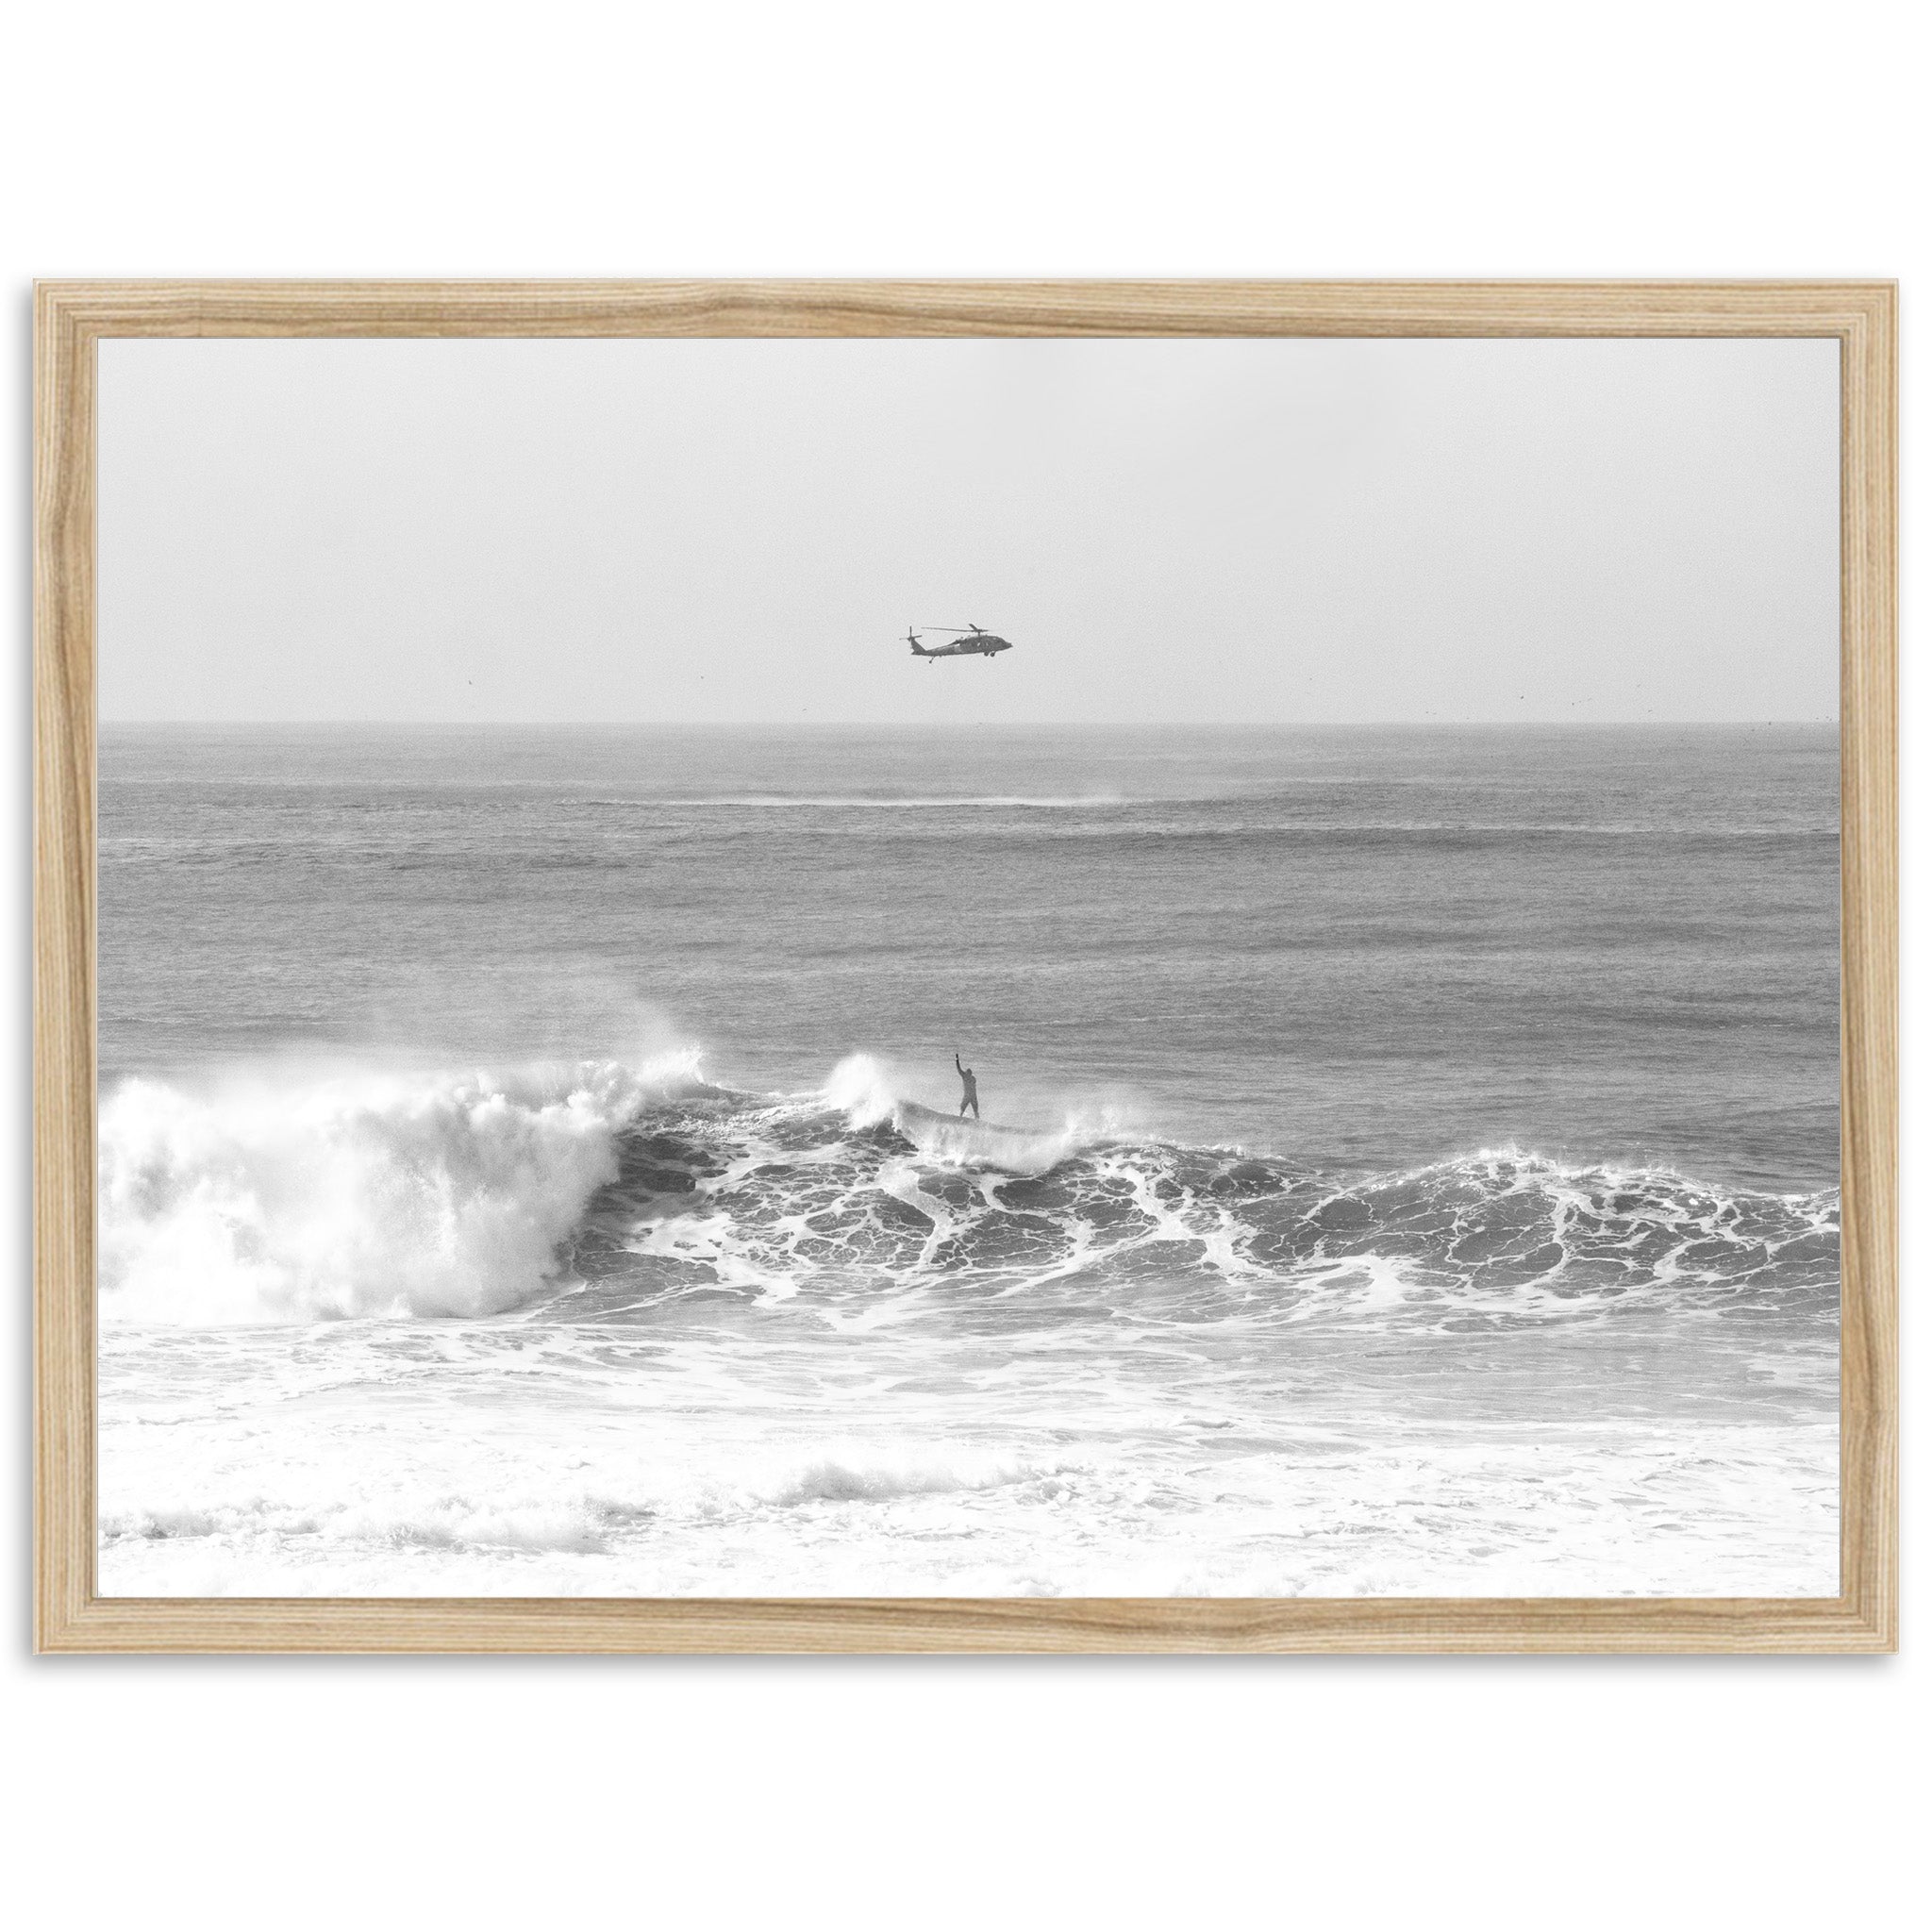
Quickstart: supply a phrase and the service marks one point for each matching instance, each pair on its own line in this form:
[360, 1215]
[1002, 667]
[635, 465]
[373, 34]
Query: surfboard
[926, 1116]
[950, 1138]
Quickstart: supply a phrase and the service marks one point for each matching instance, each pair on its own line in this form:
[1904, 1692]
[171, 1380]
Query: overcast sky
[1257, 530]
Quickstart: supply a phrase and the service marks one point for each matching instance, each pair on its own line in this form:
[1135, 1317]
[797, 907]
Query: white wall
[1682, 139]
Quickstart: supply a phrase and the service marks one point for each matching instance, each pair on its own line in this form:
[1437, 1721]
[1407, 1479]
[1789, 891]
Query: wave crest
[863, 1216]
[599, 1193]
[352, 1196]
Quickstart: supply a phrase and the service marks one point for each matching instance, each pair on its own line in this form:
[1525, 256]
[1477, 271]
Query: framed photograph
[959, 966]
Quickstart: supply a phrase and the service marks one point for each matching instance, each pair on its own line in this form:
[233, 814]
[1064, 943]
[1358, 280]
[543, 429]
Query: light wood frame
[71, 317]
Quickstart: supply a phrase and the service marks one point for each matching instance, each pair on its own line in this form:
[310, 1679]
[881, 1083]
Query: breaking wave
[260, 1201]
[598, 1193]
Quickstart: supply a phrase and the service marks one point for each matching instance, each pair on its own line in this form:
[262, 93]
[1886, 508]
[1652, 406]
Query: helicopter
[974, 643]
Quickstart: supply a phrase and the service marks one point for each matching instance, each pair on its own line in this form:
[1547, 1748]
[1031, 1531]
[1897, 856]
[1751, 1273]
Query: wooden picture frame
[73, 317]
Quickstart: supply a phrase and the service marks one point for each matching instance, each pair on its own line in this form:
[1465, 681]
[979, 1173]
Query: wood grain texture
[1868, 1070]
[71, 317]
[63, 966]
[966, 308]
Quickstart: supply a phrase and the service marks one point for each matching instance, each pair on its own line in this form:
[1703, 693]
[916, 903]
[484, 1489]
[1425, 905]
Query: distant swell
[788, 801]
[600, 1194]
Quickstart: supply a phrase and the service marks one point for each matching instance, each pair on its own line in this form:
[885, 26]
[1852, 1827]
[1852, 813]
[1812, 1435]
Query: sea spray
[361, 1195]
[869, 1090]
[861, 1088]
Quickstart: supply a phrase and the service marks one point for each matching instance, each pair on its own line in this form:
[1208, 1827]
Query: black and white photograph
[969, 968]
[966, 967]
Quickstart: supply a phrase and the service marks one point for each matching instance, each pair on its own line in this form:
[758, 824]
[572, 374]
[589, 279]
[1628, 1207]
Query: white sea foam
[355, 1195]
[359, 1458]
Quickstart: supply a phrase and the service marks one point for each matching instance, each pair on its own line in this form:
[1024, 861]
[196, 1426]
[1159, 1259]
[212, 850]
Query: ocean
[530, 1164]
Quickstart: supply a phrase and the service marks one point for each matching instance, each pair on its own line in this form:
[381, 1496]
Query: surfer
[971, 1096]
